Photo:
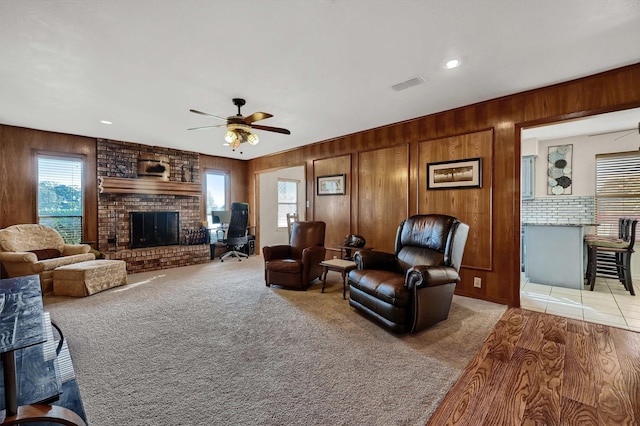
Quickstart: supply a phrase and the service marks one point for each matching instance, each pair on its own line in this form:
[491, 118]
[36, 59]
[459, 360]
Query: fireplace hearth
[153, 229]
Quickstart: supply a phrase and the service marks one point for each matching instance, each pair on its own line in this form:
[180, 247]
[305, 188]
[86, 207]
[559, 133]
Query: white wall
[585, 149]
[270, 234]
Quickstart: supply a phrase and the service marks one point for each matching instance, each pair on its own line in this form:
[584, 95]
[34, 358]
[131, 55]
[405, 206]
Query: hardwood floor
[542, 369]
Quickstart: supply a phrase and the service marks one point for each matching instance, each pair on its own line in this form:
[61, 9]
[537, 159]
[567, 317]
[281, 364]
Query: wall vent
[409, 83]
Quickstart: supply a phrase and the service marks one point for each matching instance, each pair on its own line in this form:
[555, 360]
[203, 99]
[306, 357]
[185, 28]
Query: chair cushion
[44, 254]
[614, 243]
[384, 285]
[289, 266]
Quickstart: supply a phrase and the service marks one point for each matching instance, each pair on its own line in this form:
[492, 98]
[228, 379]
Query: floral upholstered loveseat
[37, 250]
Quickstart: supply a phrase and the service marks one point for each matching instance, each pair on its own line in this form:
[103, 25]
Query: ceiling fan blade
[206, 113]
[256, 116]
[206, 127]
[271, 129]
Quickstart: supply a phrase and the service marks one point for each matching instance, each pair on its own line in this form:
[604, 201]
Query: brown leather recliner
[413, 288]
[297, 264]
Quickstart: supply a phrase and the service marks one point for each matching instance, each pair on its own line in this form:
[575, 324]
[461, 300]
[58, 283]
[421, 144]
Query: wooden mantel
[111, 185]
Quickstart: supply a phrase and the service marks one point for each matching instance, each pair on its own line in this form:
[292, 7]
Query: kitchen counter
[554, 253]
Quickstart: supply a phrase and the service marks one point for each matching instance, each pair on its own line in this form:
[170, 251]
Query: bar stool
[606, 261]
[609, 257]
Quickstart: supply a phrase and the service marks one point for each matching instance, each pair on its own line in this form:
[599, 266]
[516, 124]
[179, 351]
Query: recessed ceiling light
[454, 63]
[105, 122]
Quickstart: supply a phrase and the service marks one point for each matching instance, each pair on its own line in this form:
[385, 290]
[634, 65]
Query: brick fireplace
[123, 193]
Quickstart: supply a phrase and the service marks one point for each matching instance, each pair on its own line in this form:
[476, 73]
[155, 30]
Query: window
[617, 190]
[60, 198]
[287, 200]
[216, 190]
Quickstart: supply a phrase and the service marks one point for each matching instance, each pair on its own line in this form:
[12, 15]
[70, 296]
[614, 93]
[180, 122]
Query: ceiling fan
[239, 127]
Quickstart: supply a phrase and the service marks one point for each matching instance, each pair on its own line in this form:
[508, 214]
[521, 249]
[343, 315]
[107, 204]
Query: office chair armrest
[276, 252]
[421, 276]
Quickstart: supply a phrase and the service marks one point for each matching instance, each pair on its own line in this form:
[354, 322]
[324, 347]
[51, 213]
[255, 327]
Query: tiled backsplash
[559, 209]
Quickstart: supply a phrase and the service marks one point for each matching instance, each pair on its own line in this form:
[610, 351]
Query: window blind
[60, 195]
[617, 190]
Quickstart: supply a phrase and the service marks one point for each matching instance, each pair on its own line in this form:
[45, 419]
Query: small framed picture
[455, 174]
[331, 185]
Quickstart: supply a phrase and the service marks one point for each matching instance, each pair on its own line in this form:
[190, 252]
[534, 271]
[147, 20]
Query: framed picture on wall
[455, 174]
[559, 170]
[331, 185]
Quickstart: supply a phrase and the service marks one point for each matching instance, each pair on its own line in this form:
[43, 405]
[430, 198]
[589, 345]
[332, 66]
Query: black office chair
[237, 231]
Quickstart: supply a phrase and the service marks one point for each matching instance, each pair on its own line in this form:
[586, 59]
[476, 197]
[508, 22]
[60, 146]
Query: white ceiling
[323, 68]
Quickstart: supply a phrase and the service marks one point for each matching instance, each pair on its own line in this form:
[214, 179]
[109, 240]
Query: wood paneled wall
[334, 210]
[382, 172]
[470, 205]
[493, 251]
[18, 174]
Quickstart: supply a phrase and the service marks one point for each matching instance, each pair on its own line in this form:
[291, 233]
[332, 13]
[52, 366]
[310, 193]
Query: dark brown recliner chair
[297, 264]
[413, 288]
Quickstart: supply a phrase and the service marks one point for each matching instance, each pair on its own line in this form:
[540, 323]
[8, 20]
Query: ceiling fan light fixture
[230, 136]
[239, 128]
[253, 139]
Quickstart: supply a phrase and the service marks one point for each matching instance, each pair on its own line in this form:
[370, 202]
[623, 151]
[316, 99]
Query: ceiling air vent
[409, 83]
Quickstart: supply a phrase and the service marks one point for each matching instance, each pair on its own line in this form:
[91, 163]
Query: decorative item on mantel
[560, 168]
[154, 166]
[187, 173]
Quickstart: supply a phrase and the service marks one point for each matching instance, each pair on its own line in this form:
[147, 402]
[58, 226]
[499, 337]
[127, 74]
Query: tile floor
[609, 303]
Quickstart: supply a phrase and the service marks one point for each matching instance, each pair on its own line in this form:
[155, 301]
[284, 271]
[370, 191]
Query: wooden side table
[338, 265]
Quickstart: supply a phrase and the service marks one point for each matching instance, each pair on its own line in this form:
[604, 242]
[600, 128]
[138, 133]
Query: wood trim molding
[111, 185]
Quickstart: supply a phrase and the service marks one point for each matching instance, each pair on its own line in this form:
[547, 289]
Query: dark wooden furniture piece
[26, 341]
[296, 264]
[412, 288]
[338, 265]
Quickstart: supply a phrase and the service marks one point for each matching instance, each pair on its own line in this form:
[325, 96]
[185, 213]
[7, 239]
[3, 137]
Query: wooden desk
[338, 265]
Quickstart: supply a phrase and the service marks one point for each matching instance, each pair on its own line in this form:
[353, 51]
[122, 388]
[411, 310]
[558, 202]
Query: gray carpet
[211, 344]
